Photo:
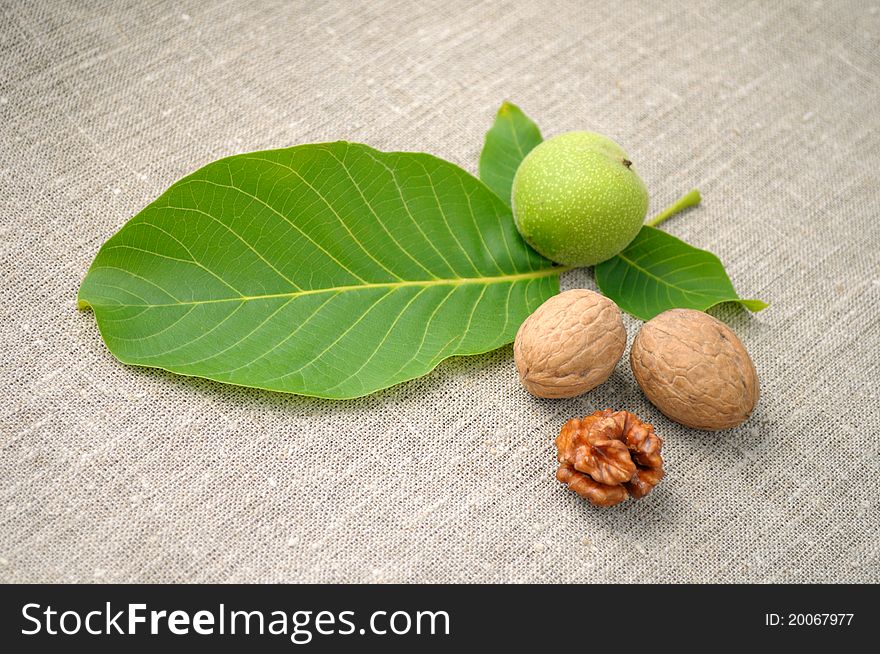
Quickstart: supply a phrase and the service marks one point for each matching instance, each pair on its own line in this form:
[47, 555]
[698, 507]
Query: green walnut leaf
[510, 139]
[331, 270]
[657, 272]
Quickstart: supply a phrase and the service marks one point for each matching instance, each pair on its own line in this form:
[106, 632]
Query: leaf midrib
[458, 281]
[662, 281]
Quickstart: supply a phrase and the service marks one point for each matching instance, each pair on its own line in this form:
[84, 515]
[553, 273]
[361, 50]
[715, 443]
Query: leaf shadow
[455, 367]
[735, 315]
[244, 396]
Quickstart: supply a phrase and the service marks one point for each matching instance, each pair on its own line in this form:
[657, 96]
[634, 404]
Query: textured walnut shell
[570, 344]
[695, 370]
[609, 456]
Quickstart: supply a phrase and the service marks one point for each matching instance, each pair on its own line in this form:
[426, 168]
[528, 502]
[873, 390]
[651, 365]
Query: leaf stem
[691, 199]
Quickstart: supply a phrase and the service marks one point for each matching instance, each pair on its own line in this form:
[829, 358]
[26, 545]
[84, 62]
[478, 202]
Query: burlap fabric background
[112, 473]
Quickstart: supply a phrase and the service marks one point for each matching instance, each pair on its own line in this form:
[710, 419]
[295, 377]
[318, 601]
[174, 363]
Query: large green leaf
[510, 139]
[657, 272]
[331, 270]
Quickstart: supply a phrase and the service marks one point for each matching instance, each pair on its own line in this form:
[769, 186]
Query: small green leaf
[511, 138]
[657, 272]
[331, 270]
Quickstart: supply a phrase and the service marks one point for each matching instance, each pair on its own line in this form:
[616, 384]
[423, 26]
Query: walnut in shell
[609, 456]
[570, 344]
[695, 370]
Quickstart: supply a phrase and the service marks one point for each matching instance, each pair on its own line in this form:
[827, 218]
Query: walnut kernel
[609, 456]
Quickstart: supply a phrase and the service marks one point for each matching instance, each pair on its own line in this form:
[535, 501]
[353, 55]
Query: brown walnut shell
[695, 370]
[609, 456]
[570, 344]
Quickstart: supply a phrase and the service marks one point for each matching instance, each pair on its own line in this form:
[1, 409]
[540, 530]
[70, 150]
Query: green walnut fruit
[577, 200]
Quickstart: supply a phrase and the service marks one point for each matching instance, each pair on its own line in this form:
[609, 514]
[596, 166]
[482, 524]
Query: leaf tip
[506, 109]
[755, 305]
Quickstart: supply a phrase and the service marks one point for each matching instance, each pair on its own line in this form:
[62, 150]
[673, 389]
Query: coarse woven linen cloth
[120, 474]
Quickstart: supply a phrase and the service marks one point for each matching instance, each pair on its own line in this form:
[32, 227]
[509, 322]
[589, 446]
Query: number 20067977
[808, 619]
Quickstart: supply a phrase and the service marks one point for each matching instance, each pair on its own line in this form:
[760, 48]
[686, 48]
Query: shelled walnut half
[609, 456]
